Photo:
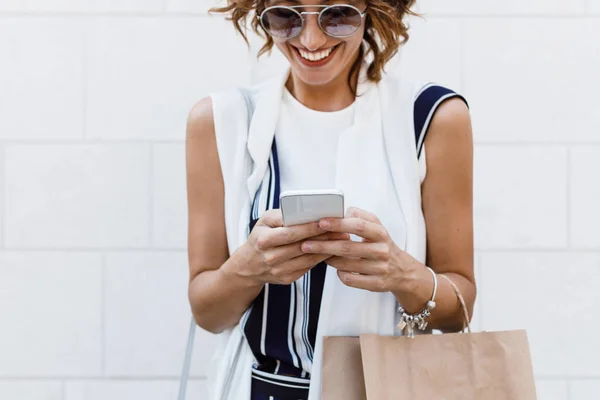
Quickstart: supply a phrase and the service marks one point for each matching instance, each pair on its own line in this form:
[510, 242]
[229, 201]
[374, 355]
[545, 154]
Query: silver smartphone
[304, 206]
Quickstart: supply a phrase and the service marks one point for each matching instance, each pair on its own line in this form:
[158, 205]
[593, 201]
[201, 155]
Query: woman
[333, 120]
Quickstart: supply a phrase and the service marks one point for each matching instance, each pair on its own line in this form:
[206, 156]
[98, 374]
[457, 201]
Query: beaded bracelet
[409, 321]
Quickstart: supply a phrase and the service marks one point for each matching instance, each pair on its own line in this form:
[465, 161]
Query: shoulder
[448, 110]
[450, 132]
[200, 119]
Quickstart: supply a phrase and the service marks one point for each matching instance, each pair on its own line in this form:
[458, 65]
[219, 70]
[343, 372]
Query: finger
[360, 227]
[289, 234]
[356, 265]
[272, 218]
[371, 283]
[306, 261]
[280, 254]
[360, 213]
[288, 280]
[332, 236]
[348, 248]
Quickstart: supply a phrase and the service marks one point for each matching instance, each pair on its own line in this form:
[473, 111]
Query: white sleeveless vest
[244, 151]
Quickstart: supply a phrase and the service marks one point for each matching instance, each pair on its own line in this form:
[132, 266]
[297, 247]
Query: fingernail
[324, 223]
[307, 247]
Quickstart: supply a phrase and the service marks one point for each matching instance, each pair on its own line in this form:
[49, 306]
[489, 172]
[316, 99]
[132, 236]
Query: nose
[312, 37]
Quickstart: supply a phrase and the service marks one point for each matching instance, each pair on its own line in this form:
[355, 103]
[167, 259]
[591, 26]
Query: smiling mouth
[316, 57]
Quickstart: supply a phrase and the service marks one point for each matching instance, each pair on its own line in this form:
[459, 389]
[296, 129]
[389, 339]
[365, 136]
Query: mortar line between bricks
[151, 197]
[84, 87]
[569, 186]
[480, 287]
[76, 142]
[95, 249]
[67, 379]
[114, 14]
[461, 56]
[540, 250]
[103, 316]
[533, 143]
[568, 378]
[4, 194]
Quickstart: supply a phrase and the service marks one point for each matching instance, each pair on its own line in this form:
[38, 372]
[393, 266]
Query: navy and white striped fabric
[281, 324]
[427, 102]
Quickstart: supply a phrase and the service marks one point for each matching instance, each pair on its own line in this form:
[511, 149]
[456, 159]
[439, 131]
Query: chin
[314, 78]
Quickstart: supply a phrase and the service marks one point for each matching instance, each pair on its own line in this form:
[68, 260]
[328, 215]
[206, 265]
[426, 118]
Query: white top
[307, 142]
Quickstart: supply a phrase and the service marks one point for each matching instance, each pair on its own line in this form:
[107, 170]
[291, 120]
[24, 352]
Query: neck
[332, 96]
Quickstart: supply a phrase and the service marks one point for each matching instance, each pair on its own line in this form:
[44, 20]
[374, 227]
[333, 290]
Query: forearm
[447, 315]
[220, 297]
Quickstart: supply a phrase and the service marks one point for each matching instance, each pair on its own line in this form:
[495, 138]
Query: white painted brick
[41, 76]
[77, 195]
[79, 6]
[31, 390]
[432, 53]
[551, 296]
[146, 333]
[585, 390]
[169, 195]
[128, 389]
[145, 74]
[594, 7]
[120, 390]
[552, 390]
[533, 79]
[520, 197]
[197, 389]
[585, 197]
[191, 6]
[508, 7]
[50, 308]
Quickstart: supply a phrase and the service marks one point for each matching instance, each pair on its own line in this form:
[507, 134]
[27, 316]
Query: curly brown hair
[385, 30]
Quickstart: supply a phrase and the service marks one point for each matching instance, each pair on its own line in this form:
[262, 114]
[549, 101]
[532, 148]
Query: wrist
[235, 270]
[415, 290]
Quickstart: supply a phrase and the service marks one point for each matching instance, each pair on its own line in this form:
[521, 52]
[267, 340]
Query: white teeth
[315, 55]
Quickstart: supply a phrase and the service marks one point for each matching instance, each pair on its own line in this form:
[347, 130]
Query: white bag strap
[189, 349]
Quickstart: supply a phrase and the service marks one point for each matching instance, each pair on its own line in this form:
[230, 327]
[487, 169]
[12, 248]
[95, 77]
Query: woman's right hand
[273, 252]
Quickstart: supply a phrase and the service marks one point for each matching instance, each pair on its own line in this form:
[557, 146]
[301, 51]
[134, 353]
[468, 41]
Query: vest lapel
[262, 129]
[397, 102]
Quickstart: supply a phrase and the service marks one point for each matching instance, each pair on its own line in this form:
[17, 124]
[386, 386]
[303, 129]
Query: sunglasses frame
[318, 13]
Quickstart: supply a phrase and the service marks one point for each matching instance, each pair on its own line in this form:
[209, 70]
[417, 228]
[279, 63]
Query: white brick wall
[93, 100]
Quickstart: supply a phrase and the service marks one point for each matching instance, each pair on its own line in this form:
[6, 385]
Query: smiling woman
[345, 25]
[334, 120]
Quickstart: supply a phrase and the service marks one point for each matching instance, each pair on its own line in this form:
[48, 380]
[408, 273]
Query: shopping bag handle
[463, 306]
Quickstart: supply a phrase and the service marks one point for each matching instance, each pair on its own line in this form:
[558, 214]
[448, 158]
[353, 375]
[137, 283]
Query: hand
[375, 264]
[273, 252]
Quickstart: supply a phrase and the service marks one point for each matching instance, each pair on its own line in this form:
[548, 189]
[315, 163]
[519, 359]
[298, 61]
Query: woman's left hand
[375, 264]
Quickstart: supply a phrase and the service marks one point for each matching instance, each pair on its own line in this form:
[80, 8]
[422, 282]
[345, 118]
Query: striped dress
[281, 324]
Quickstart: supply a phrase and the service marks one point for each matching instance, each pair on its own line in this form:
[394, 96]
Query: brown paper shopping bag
[457, 366]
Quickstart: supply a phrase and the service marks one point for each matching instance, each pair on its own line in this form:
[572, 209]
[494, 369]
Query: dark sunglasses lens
[341, 20]
[281, 22]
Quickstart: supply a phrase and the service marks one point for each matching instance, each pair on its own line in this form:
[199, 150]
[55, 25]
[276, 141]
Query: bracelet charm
[408, 322]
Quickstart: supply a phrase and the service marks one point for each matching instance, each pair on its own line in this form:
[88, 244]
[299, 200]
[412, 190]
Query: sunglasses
[337, 20]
